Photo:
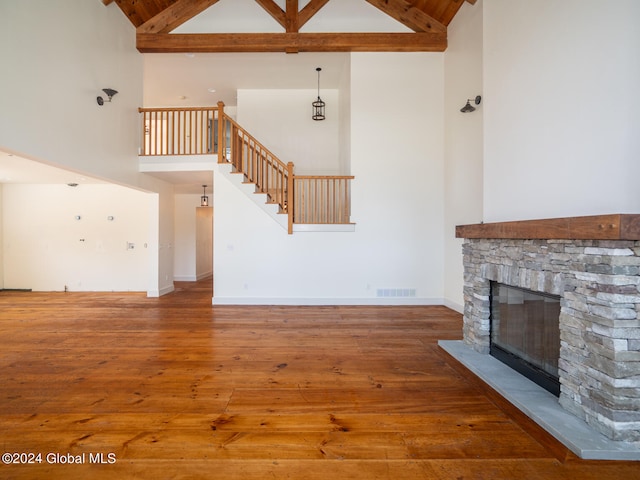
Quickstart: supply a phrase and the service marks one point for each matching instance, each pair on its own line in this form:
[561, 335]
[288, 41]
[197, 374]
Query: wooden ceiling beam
[410, 16]
[107, 2]
[291, 42]
[309, 10]
[292, 16]
[292, 22]
[472, 2]
[273, 9]
[172, 17]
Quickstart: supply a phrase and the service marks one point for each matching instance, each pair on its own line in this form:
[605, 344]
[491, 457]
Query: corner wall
[463, 141]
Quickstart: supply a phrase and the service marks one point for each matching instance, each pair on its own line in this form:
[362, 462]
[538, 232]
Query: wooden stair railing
[209, 130]
[259, 166]
[322, 199]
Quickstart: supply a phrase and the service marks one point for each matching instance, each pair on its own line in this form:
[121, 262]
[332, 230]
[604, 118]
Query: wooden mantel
[596, 227]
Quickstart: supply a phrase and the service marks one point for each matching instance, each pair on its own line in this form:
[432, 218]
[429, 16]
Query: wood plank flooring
[173, 388]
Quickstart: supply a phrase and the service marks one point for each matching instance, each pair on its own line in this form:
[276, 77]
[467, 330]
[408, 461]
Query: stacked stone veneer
[599, 286]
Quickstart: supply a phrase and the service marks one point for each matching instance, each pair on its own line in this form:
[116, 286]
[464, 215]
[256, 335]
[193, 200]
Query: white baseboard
[162, 291]
[325, 301]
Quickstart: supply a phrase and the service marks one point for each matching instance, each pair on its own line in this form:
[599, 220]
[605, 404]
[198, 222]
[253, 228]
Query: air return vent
[396, 292]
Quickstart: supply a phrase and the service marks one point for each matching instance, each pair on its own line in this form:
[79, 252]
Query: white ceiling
[174, 80]
[15, 169]
[184, 80]
[187, 182]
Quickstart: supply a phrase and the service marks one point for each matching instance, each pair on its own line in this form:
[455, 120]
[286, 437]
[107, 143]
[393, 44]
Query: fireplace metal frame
[539, 376]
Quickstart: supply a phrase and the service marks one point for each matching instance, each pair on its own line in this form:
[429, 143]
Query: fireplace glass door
[525, 333]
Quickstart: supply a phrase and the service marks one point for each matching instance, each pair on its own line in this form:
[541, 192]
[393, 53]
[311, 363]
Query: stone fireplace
[593, 265]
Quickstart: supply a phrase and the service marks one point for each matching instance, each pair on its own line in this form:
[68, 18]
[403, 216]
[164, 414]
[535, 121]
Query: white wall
[463, 141]
[1, 240]
[56, 58]
[397, 204]
[204, 242]
[281, 121]
[397, 157]
[184, 257]
[344, 131]
[45, 247]
[560, 113]
[193, 242]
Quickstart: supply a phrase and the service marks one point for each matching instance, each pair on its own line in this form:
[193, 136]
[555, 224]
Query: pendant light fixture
[318, 105]
[204, 200]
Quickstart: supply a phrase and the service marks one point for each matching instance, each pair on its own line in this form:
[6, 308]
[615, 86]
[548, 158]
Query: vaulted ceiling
[426, 22]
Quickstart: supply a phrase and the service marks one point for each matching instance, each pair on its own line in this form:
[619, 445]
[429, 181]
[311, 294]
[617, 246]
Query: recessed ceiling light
[182, 97]
[211, 90]
[190, 55]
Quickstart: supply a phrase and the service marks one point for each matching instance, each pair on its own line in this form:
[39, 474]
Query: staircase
[302, 200]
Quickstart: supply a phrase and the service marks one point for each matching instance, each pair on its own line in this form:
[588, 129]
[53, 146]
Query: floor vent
[396, 292]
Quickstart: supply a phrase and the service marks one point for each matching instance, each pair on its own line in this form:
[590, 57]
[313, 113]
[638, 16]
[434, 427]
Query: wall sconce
[110, 92]
[204, 200]
[318, 105]
[470, 108]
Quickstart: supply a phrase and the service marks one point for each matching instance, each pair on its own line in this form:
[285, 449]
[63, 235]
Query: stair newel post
[222, 138]
[290, 197]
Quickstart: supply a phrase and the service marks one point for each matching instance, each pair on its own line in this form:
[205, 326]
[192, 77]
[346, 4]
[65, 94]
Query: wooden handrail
[308, 199]
[259, 166]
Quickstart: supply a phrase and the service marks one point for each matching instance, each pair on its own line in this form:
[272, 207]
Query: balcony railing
[178, 131]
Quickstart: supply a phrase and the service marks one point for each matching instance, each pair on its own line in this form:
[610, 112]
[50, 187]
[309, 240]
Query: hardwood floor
[173, 388]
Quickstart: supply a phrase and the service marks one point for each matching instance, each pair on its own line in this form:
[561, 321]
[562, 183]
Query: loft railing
[208, 130]
[178, 131]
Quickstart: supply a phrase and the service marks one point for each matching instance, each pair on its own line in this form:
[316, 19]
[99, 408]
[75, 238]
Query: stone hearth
[593, 264]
